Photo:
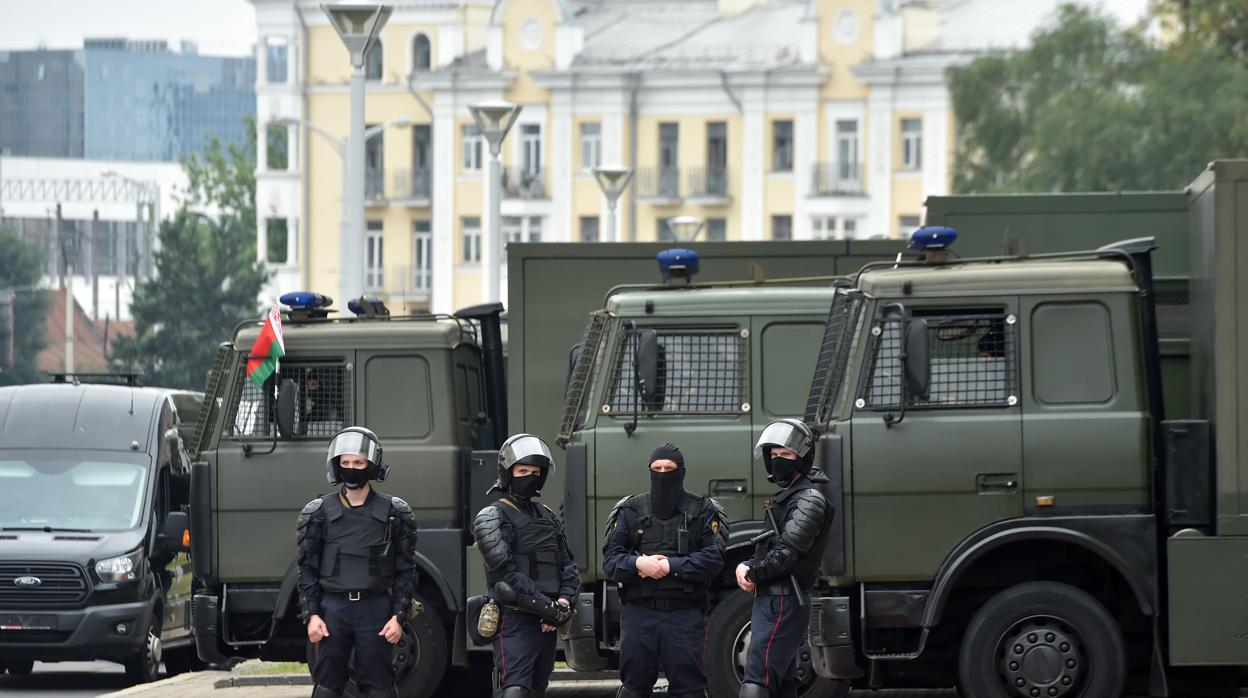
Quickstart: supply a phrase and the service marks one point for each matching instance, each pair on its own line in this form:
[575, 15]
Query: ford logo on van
[27, 582]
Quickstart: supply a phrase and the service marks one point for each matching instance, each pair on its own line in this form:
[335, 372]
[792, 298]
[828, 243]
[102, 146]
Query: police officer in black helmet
[664, 548]
[786, 560]
[357, 559]
[528, 569]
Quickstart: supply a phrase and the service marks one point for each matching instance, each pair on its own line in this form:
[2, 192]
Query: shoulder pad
[623, 502]
[401, 505]
[716, 508]
[491, 512]
[312, 507]
[810, 495]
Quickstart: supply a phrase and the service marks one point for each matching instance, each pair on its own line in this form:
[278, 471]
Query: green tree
[1090, 107]
[207, 276]
[1221, 25]
[20, 267]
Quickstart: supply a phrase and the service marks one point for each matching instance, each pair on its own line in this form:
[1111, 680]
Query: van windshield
[77, 490]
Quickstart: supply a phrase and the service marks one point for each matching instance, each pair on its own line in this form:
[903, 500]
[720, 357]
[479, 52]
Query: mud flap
[831, 640]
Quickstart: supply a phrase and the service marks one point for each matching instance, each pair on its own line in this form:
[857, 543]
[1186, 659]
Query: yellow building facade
[787, 119]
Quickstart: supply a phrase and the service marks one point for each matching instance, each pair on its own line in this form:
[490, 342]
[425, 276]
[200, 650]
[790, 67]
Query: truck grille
[59, 583]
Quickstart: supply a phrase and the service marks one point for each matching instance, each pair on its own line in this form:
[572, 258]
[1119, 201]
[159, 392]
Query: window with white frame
[589, 228]
[373, 61]
[470, 243]
[782, 227]
[531, 148]
[422, 54]
[847, 167]
[782, 146]
[716, 230]
[471, 139]
[907, 225]
[422, 256]
[911, 144]
[374, 260]
[521, 229]
[591, 146]
[276, 50]
[833, 227]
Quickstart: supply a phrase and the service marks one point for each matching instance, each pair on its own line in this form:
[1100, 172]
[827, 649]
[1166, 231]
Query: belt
[358, 595]
[668, 604]
[775, 589]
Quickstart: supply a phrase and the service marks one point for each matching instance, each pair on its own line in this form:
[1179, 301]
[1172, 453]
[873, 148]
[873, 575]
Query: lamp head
[494, 118]
[357, 25]
[613, 179]
[685, 228]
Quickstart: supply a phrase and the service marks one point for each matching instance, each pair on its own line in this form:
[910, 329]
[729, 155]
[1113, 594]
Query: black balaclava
[782, 470]
[666, 489]
[530, 486]
[353, 478]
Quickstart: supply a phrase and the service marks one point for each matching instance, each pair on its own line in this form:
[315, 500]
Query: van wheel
[728, 641]
[144, 666]
[1042, 639]
[20, 668]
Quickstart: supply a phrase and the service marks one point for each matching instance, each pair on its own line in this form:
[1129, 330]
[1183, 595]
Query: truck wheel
[144, 666]
[420, 657]
[1042, 639]
[728, 641]
[20, 668]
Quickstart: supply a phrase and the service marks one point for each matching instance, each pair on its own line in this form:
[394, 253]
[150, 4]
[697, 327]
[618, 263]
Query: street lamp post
[685, 228]
[357, 26]
[494, 118]
[613, 179]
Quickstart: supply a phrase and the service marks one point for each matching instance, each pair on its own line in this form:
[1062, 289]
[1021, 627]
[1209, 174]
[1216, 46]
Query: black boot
[322, 692]
[513, 692]
[753, 690]
[626, 693]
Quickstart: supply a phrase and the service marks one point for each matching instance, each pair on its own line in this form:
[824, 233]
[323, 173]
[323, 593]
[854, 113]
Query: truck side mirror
[647, 366]
[173, 533]
[286, 408]
[177, 452]
[918, 364]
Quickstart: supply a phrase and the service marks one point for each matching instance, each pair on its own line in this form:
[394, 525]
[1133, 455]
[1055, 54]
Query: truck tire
[420, 657]
[728, 637]
[20, 668]
[144, 665]
[1042, 639]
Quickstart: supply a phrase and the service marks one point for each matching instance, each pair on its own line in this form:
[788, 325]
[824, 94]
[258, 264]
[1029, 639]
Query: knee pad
[625, 693]
[323, 692]
[513, 692]
[753, 690]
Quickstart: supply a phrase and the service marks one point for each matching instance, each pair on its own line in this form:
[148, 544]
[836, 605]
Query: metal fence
[657, 182]
[323, 400]
[708, 181]
[836, 178]
[523, 183]
[413, 184]
[700, 372]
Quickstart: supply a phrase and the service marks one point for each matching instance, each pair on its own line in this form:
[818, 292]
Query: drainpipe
[723, 81]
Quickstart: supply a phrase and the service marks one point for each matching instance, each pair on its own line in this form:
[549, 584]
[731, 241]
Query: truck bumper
[114, 632]
[831, 639]
[205, 615]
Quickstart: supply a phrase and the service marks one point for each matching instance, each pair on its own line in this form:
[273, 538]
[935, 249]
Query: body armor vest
[777, 512]
[539, 541]
[359, 551]
[675, 536]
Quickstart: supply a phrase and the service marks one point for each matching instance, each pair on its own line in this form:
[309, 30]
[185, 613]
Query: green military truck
[1018, 514]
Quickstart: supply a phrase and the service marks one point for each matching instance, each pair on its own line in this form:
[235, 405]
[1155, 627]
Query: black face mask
[528, 486]
[782, 469]
[353, 478]
[666, 490]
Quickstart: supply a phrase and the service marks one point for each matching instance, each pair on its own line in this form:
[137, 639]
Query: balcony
[412, 187]
[708, 185]
[522, 183]
[658, 185]
[374, 186]
[836, 179]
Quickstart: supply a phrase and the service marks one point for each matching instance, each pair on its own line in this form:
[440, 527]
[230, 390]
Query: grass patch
[270, 668]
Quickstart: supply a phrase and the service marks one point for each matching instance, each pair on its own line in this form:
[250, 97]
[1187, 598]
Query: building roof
[90, 348]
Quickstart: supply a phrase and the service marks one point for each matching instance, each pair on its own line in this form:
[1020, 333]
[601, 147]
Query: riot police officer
[528, 569]
[786, 560]
[357, 559]
[664, 548]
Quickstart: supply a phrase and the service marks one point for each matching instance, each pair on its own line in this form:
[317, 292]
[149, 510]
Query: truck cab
[93, 527]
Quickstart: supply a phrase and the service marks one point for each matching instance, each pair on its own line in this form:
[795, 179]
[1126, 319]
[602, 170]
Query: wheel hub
[154, 650]
[741, 650]
[1041, 657]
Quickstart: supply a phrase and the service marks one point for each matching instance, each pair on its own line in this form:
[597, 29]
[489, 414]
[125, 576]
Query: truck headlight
[120, 569]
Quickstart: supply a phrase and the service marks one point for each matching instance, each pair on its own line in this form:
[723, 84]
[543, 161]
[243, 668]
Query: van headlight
[120, 569]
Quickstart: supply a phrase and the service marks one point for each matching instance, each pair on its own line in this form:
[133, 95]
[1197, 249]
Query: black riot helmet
[786, 433]
[355, 441]
[524, 449]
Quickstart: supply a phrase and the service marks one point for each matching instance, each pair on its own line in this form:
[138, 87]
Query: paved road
[65, 679]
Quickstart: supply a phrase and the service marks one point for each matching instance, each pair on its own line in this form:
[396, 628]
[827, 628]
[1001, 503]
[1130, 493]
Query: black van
[94, 549]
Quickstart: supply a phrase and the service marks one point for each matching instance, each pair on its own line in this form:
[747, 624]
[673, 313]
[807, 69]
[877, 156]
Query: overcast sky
[220, 27]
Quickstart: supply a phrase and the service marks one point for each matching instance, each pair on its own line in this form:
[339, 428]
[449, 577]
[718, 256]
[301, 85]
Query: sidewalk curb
[163, 683]
[264, 680]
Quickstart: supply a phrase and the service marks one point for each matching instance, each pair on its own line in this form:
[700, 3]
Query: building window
[531, 148]
[849, 228]
[373, 257]
[591, 146]
[471, 243]
[275, 52]
[589, 228]
[373, 61]
[716, 230]
[664, 230]
[375, 167]
[521, 229]
[907, 225]
[847, 167]
[276, 147]
[422, 54]
[911, 144]
[833, 228]
[471, 137]
[422, 256]
[782, 227]
[275, 238]
[782, 146]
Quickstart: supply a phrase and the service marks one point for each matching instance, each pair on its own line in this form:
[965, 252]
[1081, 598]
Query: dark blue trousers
[353, 625]
[777, 626]
[523, 654]
[674, 641]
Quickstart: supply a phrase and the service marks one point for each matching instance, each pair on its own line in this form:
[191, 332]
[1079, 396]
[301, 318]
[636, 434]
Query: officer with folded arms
[357, 560]
[528, 569]
[786, 560]
[664, 547]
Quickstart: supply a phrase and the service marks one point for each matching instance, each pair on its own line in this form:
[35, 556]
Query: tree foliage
[20, 268]
[1221, 25]
[1091, 107]
[207, 276]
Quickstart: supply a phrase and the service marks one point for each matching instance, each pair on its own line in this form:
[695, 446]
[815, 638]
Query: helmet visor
[525, 447]
[353, 443]
[785, 435]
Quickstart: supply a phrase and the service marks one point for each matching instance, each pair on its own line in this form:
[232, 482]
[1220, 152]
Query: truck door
[953, 463]
[702, 406]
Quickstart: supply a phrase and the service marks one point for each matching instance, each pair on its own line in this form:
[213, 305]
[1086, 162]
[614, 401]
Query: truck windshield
[839, 336]
[79, 490]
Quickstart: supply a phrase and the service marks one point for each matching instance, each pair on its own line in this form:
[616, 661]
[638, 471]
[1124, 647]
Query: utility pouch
[482, 620]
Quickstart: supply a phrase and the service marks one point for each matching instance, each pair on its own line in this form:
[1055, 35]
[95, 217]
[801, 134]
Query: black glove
[550, 612]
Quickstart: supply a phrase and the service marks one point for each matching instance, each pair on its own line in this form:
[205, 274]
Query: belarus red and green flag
[262, 362]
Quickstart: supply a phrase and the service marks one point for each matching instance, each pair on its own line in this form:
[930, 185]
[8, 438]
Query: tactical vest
[677, 535]
[359, 547]
[539, 542]
[806, 571]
